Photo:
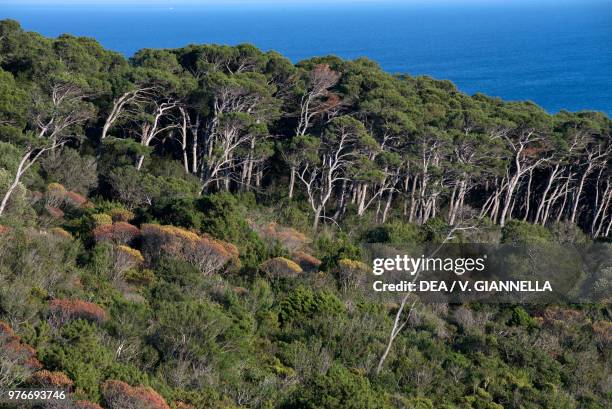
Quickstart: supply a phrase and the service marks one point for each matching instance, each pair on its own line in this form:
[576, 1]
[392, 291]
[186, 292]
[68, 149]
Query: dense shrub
[302, 303]
[222, 218]
[338, 389]
[395, 232]
[519, 232]
[75, 171]
[206, 253]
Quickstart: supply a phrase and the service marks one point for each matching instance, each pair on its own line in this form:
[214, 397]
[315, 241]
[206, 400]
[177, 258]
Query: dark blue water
[559, 56]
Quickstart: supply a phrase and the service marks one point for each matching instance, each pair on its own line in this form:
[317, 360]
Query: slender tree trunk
[387, 205]
[139, 162]
[528, 196]
[549, 184]
[579, 192]
[565, 195]
[292, 181]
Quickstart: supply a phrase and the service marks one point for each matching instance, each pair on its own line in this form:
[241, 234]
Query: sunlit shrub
[183, 405]
[118, 233]
[142, 276]
[59, 232]
[54, 196]
[280, 267]
[123, 259]
[302, 303]
[205, 252]
[350, 273]
[121, 215]
[101, 219]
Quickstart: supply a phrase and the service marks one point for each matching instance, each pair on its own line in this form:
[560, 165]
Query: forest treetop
[344, 136]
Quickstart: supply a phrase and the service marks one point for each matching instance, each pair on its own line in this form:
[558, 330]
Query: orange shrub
[74, 199]
[306, 261]
[55, 211]
[119, 233]
[4, 229]
[63, 310]
[280, 267]
[48, 379]
[208, 254]
[291, 239]
[120, 395]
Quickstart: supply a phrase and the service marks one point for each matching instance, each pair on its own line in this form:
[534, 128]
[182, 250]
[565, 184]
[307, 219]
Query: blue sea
[557, 54]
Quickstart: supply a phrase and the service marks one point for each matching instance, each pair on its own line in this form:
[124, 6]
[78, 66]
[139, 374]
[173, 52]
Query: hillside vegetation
[184, 229]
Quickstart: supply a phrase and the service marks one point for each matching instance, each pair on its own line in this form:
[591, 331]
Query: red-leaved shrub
[55, 211]
[48, 379]
[306, 261]
[74, 199]
[16, 352]
[120, 395]
[63, 310]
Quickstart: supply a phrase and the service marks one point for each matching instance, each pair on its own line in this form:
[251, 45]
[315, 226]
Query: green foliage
[524, 233]
[303, 303]
[521, 318]
[339, 388]
[395, 233]
[335, 249]
[221, 217]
